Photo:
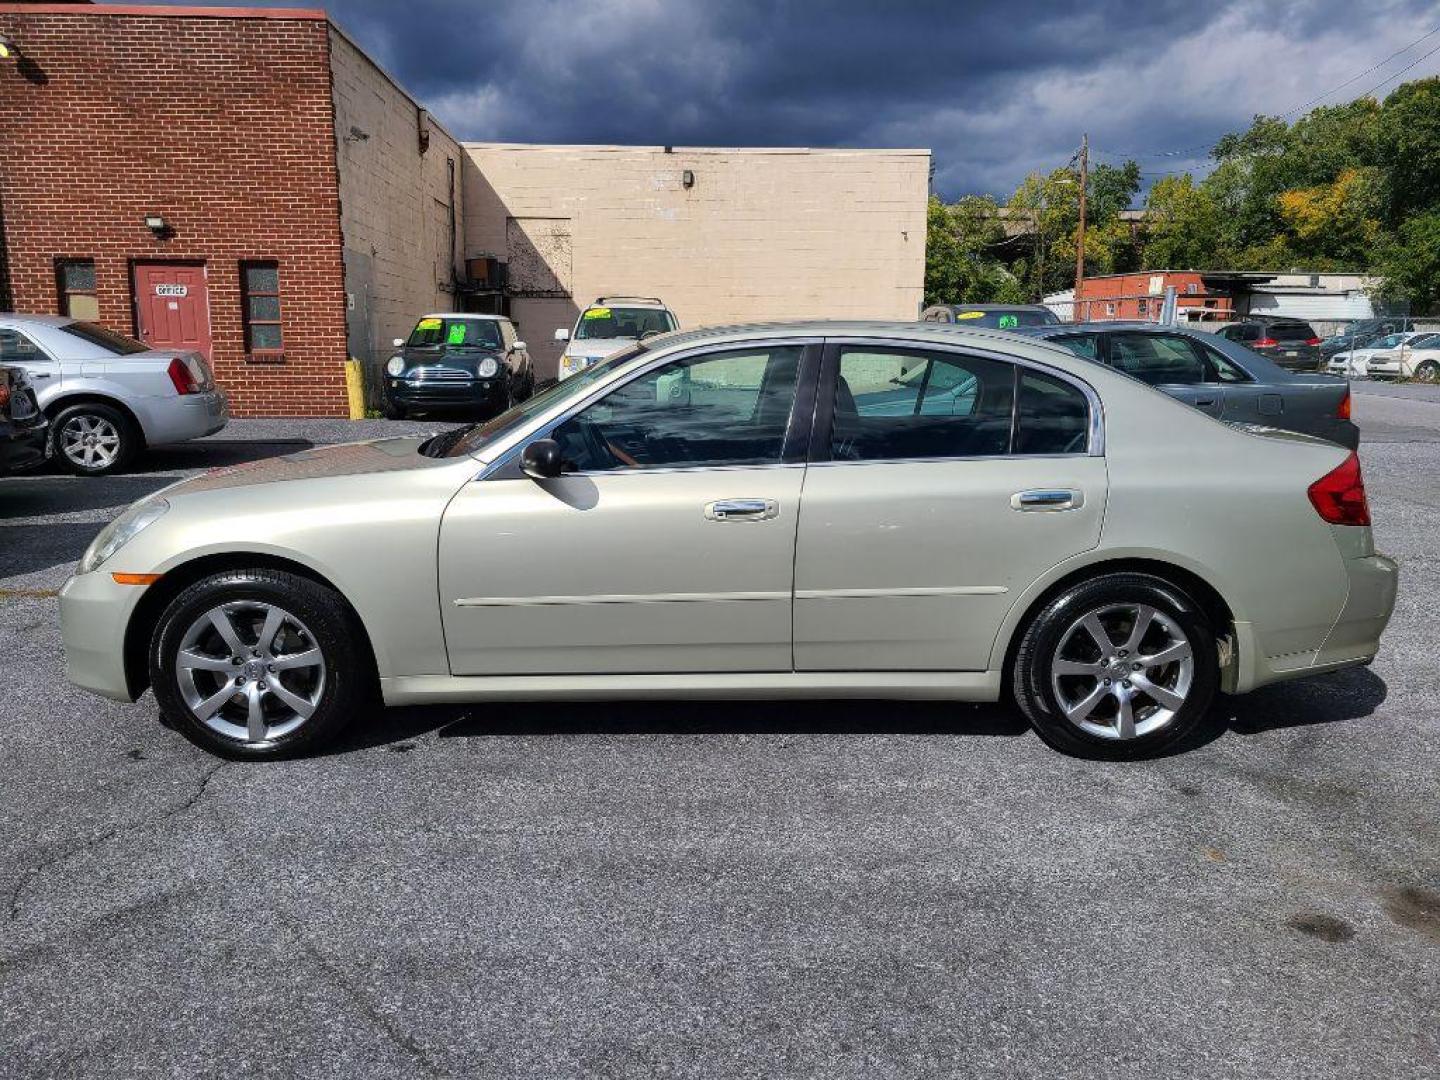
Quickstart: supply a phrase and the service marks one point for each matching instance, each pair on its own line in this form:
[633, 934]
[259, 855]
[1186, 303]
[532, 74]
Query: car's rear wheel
[1119, 666]
[1428, 372]
[257, 664]
[93, 439]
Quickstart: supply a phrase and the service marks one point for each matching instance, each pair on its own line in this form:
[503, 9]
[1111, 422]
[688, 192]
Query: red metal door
[172, 306]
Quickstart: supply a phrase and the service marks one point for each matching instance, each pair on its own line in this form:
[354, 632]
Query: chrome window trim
[1095, 438]
[543, 426]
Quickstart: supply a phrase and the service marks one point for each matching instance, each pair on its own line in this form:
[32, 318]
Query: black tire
[1428, 372]
[392, 411]
[344, 685]
[102, 456]
[1035, 687]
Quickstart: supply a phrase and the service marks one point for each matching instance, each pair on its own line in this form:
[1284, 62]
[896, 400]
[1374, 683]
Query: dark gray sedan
[1217, 376]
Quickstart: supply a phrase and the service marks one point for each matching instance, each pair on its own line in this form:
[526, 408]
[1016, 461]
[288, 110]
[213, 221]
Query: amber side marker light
[135, 579]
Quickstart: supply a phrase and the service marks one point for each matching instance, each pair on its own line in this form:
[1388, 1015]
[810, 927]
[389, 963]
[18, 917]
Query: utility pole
[1080, 237]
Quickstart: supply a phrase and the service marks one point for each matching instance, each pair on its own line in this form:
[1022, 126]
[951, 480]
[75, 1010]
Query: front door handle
[742, 510]
[1205, 403]
[1047, 500]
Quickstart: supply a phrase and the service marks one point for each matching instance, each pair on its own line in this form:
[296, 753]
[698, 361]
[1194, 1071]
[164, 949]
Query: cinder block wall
[761, 234]
[222, 125]
[395, 204]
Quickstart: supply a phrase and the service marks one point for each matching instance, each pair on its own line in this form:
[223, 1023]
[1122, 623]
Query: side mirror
[398, 342]
[562, 334]
[517, 346]
[541, 460]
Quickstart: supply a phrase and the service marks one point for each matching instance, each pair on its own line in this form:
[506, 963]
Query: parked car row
[1409, 354]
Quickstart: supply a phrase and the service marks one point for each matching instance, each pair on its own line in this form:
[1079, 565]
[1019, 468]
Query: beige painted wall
[394, 205]
[763, 233]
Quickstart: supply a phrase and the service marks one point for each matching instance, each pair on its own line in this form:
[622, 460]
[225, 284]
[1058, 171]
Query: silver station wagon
[843, 510]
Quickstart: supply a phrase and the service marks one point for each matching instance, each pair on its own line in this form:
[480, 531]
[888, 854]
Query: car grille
[433, 375]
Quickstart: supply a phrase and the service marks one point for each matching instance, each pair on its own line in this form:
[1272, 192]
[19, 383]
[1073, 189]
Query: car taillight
[180, 375]
[5, 391]
[1339, 495]
[1343, 412]
[1264, 343]
[1312, 341]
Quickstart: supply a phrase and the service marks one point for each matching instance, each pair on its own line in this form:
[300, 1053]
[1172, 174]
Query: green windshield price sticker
[598, 313]
[457, 334]
[1009, 322]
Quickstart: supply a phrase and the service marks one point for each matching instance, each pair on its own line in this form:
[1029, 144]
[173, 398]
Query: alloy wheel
[91, 442]
[250, 671]
[1122, 671]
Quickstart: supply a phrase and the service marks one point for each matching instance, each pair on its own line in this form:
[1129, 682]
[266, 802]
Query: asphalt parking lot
[827, 890]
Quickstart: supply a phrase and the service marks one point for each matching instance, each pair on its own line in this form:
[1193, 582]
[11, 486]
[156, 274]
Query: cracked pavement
[802, 890]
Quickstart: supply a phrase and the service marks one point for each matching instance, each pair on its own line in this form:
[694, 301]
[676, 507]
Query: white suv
[609, 325]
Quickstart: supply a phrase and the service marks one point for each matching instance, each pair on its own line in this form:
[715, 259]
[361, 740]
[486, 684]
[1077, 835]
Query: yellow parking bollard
[355, 389]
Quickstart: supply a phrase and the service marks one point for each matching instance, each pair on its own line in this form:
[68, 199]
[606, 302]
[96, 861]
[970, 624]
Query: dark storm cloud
[996, 89]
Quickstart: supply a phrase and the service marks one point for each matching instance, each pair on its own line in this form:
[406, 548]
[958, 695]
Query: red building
[1140, 296]
[201, 177]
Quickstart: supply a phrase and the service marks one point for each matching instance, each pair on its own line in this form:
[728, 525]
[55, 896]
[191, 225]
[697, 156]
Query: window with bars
[260, 306]
[75, 279]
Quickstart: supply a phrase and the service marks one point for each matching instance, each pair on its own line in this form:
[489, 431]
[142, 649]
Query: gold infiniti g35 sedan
[843, 510]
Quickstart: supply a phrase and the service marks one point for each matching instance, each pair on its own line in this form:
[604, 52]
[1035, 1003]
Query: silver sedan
[108, 396]
[805, 510]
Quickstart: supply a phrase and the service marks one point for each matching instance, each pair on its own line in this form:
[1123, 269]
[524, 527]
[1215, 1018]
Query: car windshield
[113, 343]
[1389, 341]
[622, 322]
[472, 333]
[470, 439]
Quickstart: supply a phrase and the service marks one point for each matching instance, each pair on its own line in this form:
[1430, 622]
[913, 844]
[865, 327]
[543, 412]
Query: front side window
[895, 404]
[717, 409]
[1157, 359]
[622, 322]
[76, 281]
[260, 297]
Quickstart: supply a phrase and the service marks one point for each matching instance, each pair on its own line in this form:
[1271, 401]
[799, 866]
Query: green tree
[1183, 226]
[1409, 263]
[1407, 142]
[961, 266]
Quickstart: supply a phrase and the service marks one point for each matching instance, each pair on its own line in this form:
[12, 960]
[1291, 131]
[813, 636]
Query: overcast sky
[995, 89]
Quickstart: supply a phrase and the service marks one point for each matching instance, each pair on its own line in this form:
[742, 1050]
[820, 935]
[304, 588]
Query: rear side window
[1085, 346]
[1157, 359]
[895, 404]
[1053, 416]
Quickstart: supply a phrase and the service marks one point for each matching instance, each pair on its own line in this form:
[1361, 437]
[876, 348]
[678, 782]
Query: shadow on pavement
[541, 718]
[42, 495]
[1346, 695]
[26, 549]
[214, 454]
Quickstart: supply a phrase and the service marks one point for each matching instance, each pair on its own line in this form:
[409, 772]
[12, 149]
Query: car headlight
[396, 365]
[121, 531]
[488, 367]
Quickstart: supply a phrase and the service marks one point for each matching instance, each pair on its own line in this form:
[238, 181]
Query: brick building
[205, 178]
[246, 181]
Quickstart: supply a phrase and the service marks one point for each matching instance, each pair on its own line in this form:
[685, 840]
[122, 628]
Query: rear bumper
[183, 417]
[94, 612]
[1353, 639]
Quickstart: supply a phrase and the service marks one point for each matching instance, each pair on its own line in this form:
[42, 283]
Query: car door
[667, 546]
[1167, 362]
[943, 482]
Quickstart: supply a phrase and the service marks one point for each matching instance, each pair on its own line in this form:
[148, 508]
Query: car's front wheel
[1119, 666]
[93, 439]
[1428, 372]
[257, 664]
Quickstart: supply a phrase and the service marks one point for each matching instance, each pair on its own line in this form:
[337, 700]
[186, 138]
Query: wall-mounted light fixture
[687, 178]
[7, 48]
[156, 224]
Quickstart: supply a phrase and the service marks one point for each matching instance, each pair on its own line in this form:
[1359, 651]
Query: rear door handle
[1047, 500]
[742, 510]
